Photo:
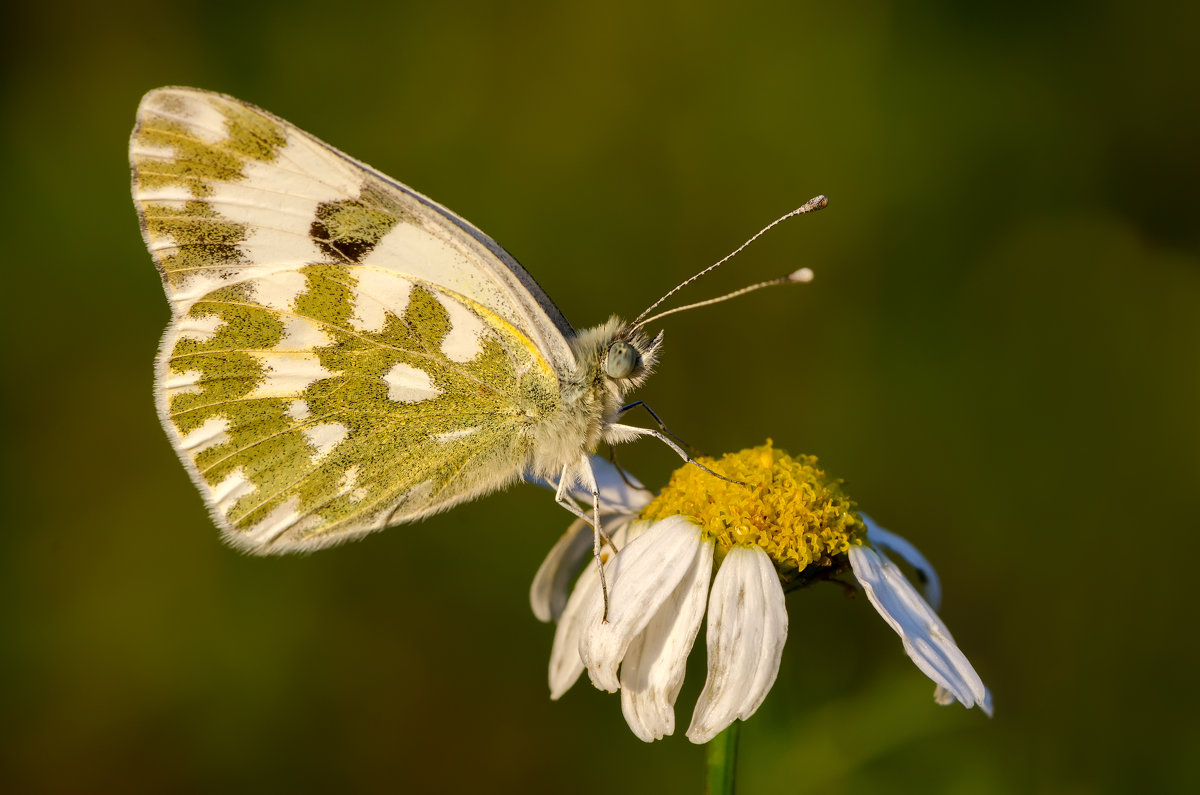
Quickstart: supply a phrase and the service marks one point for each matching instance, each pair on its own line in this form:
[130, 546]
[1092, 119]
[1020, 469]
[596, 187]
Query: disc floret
[787, 506]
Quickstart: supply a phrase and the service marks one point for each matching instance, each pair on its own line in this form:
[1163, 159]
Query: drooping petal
[901, 546]
[565, 665]
[747, 628]
[655, 662]
[585, 600]
[926, 639]
[620, 500]
[548, 593]
[644, 574]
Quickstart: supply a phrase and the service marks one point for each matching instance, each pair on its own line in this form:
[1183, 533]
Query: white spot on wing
[350, 485]
[195, 287]
[301, 334]
[214, 431]
[197, 114]
[230, 490]
[200, 283]
[273, 285]
[278, 206]
[463, 343]
[182, 383]
[276, 522]
[200, 329]
[174, 197]
[298, 410]
[145, 151]
[288, 373]
[325, 437]
[377, 293]
[450, 436]
[279, 290]
[407, 384]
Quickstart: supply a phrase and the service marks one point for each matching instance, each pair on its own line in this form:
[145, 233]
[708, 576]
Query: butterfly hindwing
[344, 354]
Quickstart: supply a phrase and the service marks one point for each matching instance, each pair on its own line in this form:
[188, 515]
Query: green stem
[722, 760]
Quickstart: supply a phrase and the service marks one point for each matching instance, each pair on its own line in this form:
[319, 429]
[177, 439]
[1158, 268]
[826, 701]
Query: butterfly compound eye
[621, 360]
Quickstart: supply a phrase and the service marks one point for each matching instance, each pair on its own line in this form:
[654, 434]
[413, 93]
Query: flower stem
[721, 752]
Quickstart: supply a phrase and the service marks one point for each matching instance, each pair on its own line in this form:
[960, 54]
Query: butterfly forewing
[344, 354]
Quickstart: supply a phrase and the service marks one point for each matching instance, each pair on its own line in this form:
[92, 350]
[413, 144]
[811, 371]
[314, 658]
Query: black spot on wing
[349, 229]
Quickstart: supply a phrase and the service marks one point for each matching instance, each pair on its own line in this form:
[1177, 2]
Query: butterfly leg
[612, 459]
[564, 499]
[598, 537]
[634, 430]
[567, 501]
[583, 470]
[662, 426]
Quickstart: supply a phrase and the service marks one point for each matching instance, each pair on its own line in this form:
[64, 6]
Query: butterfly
[345, 354]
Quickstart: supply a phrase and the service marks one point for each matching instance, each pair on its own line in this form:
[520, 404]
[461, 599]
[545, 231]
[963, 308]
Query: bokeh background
[999, 354]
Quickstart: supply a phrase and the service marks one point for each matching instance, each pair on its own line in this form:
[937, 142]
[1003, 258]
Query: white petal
[926, 639]
[586, 599]
[654, 665]
[565, 665]
[747, 628]
[644, 574]
[911, 555]
[548, 593]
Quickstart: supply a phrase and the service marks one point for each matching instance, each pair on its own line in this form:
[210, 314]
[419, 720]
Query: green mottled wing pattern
[344, 354]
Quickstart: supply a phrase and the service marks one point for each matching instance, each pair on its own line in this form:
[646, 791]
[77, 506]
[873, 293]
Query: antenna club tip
[801, 275]
[810, 206]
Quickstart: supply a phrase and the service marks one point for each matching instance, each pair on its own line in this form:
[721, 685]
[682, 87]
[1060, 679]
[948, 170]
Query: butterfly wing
[344, 354]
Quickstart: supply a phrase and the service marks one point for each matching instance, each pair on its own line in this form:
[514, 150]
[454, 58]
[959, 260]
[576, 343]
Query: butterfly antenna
[795, 277]
[812, 205]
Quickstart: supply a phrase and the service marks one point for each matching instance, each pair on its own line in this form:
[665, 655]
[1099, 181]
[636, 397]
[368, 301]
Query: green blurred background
[998, 354]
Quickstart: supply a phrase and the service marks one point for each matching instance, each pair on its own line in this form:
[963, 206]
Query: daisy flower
[787, 526]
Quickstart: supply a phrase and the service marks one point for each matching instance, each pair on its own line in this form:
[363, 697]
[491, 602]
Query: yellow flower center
[788, 506]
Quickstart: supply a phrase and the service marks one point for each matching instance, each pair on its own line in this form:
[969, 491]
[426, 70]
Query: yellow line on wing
[492, 319]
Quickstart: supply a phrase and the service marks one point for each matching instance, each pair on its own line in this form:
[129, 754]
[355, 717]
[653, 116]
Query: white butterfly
[345, 354]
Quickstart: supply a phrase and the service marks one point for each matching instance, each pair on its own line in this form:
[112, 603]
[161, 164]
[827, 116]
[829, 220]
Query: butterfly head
[629, 358]
[616, 357]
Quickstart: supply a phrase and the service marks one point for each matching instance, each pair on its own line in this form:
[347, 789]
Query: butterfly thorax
[591, 397]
